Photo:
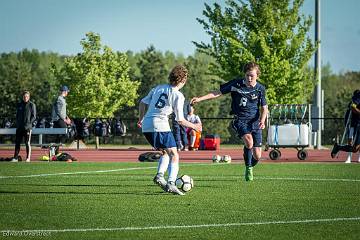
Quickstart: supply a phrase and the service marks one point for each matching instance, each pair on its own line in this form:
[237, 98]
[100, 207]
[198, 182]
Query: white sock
[163, 164]
[192, 140]
[349, 156]
[173, 171]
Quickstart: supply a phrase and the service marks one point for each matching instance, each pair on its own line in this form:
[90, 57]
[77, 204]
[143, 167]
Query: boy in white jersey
[161, 102]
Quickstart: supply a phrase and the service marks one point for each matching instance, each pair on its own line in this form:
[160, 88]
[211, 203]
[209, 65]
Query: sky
[59, 25]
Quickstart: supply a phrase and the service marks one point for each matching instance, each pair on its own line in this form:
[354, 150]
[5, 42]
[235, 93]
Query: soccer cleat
[160, 181]
[14, 160]
[27, 160]
[171, 188]
[335, 150]
[249, 174]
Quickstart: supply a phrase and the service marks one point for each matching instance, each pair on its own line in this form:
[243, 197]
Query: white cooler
[288, 135]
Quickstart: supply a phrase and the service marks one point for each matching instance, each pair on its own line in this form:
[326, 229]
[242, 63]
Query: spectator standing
[59, 112]
[353, 133]
[25, 117]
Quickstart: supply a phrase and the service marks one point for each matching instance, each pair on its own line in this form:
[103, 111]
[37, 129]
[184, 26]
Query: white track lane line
[191, 164]
[97, 171]
[281, 178]
[9, 232]
[76, 173]
[311, 179]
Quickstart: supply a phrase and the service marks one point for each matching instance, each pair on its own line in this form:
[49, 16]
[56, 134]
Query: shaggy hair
[178, 74]
[251, 66]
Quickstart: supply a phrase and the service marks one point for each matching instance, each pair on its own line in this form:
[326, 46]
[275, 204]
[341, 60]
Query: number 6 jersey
[162, 101]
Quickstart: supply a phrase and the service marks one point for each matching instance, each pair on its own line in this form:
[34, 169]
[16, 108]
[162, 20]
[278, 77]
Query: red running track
[131, 155]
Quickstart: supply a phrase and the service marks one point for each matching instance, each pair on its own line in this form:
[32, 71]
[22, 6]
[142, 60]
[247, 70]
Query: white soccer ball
[226, 159]
[185, 183]
[216, 158]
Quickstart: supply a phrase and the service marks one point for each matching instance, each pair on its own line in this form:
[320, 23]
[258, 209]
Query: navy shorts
[160, 140]
[243, 127]
[357, 135]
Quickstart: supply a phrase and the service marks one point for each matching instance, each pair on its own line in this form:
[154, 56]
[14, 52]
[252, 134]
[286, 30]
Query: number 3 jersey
[162, 101]
[246, 101]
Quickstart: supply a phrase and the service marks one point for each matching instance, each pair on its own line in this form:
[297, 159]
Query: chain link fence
[333, 130]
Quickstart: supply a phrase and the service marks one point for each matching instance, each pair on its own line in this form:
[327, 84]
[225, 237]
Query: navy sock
[248, 156]
[254, 162]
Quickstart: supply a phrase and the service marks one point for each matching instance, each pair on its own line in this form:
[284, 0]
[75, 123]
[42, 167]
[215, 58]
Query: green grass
[281, 193]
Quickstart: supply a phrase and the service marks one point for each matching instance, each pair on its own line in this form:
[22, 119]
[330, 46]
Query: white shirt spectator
[193, 118]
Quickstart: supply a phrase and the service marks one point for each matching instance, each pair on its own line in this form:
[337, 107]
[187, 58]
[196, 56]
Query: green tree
[98, 79]
[27, 70]
[15, 76]
[338, 90]
[149, 68]
[270, 32]
[153, 70]
[43, 84]
[200, 81]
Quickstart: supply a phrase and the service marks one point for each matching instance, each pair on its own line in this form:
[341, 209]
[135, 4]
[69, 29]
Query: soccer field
[119, 201]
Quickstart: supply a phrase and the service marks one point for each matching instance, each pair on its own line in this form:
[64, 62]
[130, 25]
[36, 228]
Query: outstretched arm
[211, 95]
[196, 126]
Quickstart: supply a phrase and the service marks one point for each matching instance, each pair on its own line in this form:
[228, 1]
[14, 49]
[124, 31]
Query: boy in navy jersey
[354, 130]
[249, 109]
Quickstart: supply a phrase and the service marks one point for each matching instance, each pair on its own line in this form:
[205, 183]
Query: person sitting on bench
[193, 136]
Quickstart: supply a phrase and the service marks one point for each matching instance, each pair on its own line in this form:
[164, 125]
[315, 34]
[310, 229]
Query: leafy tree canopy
[27, 70]
[270, 32]
[98, 79]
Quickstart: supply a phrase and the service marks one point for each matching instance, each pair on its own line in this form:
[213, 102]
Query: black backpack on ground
[149, 157]
[65, 157]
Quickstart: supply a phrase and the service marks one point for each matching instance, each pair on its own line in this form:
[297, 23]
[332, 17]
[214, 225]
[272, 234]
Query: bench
[37, 131]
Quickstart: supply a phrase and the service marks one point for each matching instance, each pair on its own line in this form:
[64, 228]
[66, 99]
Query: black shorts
[357, 135]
